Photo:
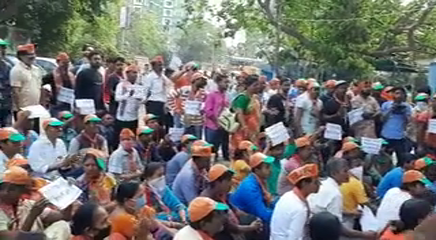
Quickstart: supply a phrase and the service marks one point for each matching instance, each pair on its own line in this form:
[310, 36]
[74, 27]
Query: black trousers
[158, 108]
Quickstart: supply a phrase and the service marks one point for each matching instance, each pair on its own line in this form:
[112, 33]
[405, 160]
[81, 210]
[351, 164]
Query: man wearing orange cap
[62, 78]
[156, 86]
[112, 81]
[26, 78]
[207, 219]
[5, 87]
[178, 161]
[125, 162]
[371, 111]
[307, 110]
[89, 137]
[129, 96]
[288, 220]
[335, 109]
[302, 156]
[389, 209]
[252, 195]
[11, 145]
[191, 180]
[329, 87]
[48, 154]
[89, 81]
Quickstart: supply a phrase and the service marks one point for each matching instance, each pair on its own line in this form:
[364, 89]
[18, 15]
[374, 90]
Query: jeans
[195, 130]
[219, 138]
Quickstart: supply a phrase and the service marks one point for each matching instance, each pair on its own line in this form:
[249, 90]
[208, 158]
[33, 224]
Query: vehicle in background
[47, 65]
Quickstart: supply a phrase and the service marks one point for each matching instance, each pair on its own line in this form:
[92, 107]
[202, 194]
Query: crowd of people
[224, 177]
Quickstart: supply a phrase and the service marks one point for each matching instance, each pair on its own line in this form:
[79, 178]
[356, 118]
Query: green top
[273, 179]
[242, 101]
[289, 150]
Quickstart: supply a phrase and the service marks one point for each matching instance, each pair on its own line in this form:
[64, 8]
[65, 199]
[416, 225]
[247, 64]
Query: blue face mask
[140, 203]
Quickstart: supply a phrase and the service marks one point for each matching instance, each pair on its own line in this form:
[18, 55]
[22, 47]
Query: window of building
[168, 3]
[138, 2]
[167, 13]
[137, 9]
[166, 21]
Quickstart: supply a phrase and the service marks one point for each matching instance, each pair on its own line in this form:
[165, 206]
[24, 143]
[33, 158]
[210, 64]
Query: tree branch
[9, 8]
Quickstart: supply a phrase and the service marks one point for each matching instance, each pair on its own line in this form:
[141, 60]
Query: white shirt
[4, 160]
[119, 162]
[128, 106]
[156, 87]
[289, 218]
[43, 154]
[187, 232]
[308, 121]
[390, 206]
[328, 199]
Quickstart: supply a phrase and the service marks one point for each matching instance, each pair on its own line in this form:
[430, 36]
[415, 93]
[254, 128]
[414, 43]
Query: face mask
[127, 145]
[103, 233]
[357, 172]
[158, 184]
[140, 202]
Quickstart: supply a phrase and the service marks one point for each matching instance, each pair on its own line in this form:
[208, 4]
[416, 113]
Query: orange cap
[11, 134]
[29, 48]
[91, 118]
[199, 143]
[133, 68]
[217, 171]
[188, 137]
[18, 160]
[196, 76]
[124, 224]
[246, 145]
[126, 133]
[330, 84]
[258, 158]
[200, 207]
[348, 146]
[62, 56]
[306, 171]
[202, 151]
[422, 163]
[53, 122]
[301, 83]
[413, 176]
[302, 142]
[157, 59]
[16, 175]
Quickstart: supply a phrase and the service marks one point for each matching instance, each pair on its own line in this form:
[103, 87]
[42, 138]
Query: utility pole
[277, 43]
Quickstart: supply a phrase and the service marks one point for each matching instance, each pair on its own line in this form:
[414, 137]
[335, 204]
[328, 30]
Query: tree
[343, 35]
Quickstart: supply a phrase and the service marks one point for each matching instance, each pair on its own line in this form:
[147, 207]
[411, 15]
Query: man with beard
[278, 104]
[112, 83]
[89, 81]
[371, 109]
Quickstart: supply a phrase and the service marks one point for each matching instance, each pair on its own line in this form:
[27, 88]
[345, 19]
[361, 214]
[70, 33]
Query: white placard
[368, 220]
[176, 134]
[138, 91]
[60, 193]
[85, 106]
[192, 107]
[333, 131]
[431, 126]
[277, 133]
[355, 115]
[37, 111]
[371, 145]
[66, 95]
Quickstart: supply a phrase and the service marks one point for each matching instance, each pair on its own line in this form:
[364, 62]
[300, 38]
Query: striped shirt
[176, 102]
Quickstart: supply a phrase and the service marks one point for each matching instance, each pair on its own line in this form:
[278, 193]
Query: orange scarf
[266, 195]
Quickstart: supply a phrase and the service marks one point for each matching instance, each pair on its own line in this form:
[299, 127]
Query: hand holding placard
[371, 145]
[85, 106]
[333, 131]
[355, 116]
[66, 95]
[277, 133]
[192, 107]
[60, 193]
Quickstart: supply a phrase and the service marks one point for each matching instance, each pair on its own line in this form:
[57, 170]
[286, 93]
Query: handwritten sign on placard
[431, 126]
[176, 134]
[371, 145]
[85, 106]
[66, 95]
[355, 116]
[192, 107]
[277, 133]
[60, 193]
[333, 131]
[37, 111]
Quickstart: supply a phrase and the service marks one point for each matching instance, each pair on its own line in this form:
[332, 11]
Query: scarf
[154, 200]
[92, 140]
[266, 195]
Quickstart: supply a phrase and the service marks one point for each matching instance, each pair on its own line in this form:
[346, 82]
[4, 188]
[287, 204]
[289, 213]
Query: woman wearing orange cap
[125, 162]
[247, 108]
[240, 163]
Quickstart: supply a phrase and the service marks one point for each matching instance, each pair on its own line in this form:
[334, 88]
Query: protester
[159, 196]
[11, 145]
[324, 226]
[89, 137]
[371, 110]
[146, 147]
[191, 180]
[5, 87]
[427, 166]
[89, 81]
[389, 209]
[308, 107]
[107, 130]
[207, 219]
[62, 78]
[288, 220]
[412, 213]
[278, 109]
[26, 78]
[96, 184]
[240, 163]
[334, 110]
[396, 115]
[90, 222]
[68, 131]
[277, 153]
[112, 82]
[24, 126]
[152, 121]
[329, 87]
[177, 162]
[248, 110]
[125, 162]
[426, 140]
[215, 103]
